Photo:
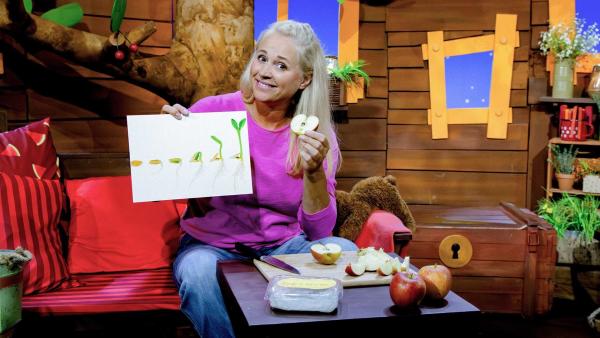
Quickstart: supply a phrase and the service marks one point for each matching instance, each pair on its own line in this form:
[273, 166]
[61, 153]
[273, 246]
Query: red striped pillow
[29, 214]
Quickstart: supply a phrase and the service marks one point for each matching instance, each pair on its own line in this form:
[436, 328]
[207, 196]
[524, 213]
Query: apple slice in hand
[355, 268]
[301, 123]
[326, 253]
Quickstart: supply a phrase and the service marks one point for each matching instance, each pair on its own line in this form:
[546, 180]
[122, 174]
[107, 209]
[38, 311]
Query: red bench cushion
[142, 290]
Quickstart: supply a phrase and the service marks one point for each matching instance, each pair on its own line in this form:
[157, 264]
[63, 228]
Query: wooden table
[362, 312]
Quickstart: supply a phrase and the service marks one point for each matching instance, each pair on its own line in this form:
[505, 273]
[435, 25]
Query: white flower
[569, 42]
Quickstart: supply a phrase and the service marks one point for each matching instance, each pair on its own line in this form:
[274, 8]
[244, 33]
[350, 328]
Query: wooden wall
[386, 133]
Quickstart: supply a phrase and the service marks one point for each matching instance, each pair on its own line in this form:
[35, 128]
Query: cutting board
[308, 266]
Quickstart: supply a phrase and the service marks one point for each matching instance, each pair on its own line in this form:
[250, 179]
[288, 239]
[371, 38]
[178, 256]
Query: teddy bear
[377, 192]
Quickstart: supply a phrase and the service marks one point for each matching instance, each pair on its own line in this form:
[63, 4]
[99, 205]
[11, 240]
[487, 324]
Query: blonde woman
[293, 202]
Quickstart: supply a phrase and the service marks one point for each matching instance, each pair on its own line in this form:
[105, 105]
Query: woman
[293, 176]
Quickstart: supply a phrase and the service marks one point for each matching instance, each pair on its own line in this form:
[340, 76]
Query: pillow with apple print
[29, 151]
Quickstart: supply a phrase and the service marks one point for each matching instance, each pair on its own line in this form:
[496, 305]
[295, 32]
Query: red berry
[133, 48]
[119, 55]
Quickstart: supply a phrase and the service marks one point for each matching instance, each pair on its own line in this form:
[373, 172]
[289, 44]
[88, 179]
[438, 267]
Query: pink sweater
[273, 213]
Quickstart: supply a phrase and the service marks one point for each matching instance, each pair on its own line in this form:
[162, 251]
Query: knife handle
[246, 250]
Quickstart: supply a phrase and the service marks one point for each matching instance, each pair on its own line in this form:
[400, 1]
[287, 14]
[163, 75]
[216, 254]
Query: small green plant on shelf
[563, 159]
[572, 213]
[351, 72]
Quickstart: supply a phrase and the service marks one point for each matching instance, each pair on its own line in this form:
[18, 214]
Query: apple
[386, 268]
[355, 269]
[438, 280]
[301, 123]
[326, 253]
[407, 289]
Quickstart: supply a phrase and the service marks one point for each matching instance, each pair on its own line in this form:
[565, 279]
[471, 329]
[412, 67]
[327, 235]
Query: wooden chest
[512, 261]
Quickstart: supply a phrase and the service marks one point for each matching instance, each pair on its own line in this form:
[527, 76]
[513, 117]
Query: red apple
[438, 280]
[133, 48]
[119, 55]
[407, 289]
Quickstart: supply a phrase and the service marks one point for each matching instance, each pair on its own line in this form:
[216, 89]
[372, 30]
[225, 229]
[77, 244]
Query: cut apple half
[355, 268]
[326, 253]
[301, 123]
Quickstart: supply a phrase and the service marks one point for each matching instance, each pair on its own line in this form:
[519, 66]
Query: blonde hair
[312, 100]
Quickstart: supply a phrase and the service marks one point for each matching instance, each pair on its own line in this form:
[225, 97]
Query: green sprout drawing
[197, 157]
[238, 128]
[155, 162]
[175, 160]
[218, 156]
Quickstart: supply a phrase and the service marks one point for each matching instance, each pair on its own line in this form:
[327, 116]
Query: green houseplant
[566, 43]
[350, 73]
[563, 160]
[590, 171]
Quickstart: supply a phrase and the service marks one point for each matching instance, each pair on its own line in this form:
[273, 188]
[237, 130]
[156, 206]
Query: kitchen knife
[248, 251]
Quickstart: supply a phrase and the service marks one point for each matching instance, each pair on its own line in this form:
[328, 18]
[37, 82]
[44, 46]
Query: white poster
[201, 155]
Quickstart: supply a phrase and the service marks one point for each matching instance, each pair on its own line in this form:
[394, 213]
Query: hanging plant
[67, 15]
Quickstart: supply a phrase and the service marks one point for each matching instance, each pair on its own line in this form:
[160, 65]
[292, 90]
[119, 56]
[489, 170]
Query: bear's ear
[391, 179]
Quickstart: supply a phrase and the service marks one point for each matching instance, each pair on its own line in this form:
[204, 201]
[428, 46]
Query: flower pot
[337, 93]
[591, 183]
[11, 289]
[565, 181]
[562, 84]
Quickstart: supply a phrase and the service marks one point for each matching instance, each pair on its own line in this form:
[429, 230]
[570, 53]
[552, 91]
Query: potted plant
[11, 285]
[563, 161]
[350, 73]
[590, 171]
[566, 43]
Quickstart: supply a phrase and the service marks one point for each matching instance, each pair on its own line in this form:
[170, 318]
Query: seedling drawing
[238, 128]
[197, 157]
[136, 163]
[218, 156]
[175, 160]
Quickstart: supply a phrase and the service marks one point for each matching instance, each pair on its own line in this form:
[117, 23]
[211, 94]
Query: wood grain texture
[539, 13]
[160, 10]
[14, 101]
[88, 136]
[405, 15]
[368, 108]
[94, 165]
[465, 137]
[458, 160]
[539, 132]
[460, 188]
[378, 88]
[376, 62]
[362, 163]
[372, 13]
[101, 25]
[419, 116]
[371, 36]
[363, 134]
[479, 268]
[346, 183]
[481, 252]
[399, 57]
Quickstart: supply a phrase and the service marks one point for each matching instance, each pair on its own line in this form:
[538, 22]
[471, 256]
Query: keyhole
[455, 249]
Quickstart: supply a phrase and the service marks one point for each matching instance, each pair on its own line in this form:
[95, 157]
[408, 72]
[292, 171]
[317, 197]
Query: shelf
[572, 192]
[575, 100]
[558, 140]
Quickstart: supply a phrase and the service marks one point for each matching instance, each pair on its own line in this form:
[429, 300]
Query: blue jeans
[195, 272]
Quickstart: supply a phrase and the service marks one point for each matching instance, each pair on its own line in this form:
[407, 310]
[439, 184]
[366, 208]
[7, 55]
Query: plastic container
[11, 290]
[304, 293]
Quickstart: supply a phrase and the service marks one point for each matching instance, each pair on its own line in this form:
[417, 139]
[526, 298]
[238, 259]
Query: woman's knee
[195, 266]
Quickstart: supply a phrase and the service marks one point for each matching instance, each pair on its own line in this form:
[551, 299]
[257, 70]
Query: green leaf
[242, 123]
[216, 139]
[67, 15]
[117, 15]
[341, 2]
[234, 124]
[28, 6]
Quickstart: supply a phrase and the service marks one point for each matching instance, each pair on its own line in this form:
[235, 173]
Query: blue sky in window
[468, 79]
[323, 16]
[588, 10]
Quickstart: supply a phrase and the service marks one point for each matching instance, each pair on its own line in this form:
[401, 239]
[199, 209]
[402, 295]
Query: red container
[575, 123]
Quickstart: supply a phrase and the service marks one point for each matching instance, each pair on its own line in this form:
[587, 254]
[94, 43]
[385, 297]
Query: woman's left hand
[313, 147]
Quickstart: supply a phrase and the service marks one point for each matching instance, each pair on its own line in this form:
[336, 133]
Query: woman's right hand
[176, 110]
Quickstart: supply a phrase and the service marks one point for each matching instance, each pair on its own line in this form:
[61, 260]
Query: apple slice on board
[355, 268]
[326, 253]
[301, 123]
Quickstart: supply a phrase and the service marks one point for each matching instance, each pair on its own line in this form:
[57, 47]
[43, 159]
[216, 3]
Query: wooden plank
[538, 87]
[1, 64]
[372, 13]
[561, 11]
[409, 100]
[458, 160]
[479, 268]
[362, 164]
[518, 98]
[407, 116]
[73, 98]
[539, 13]
[348, 44]
[520, 75]
[90, 136]
[345, 183]
[522, 51]
[463, 137]
[409, 79]
[82, 167]
[490, 302]
[371, 35]
[3, 121]
[481, 252]
[426, 232]
[378, 88]
[487, 285]
[437, 82]
[282, 10]
[101, 25]
[504, 51]
[157, 10]
[539, 131]
[368, 108]
[536, 31]
[405, 57]
[436, 15]
[14, 102]
[419, 116]
[460, 188]
[406, 39]
[376, 62]
[363, 134]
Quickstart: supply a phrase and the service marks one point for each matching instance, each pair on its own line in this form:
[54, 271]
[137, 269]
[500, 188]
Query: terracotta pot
[565, 181]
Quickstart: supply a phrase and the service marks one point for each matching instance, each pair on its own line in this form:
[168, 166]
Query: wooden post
[437, 84]
[282, 10]
[1, 64]
[348, 45]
